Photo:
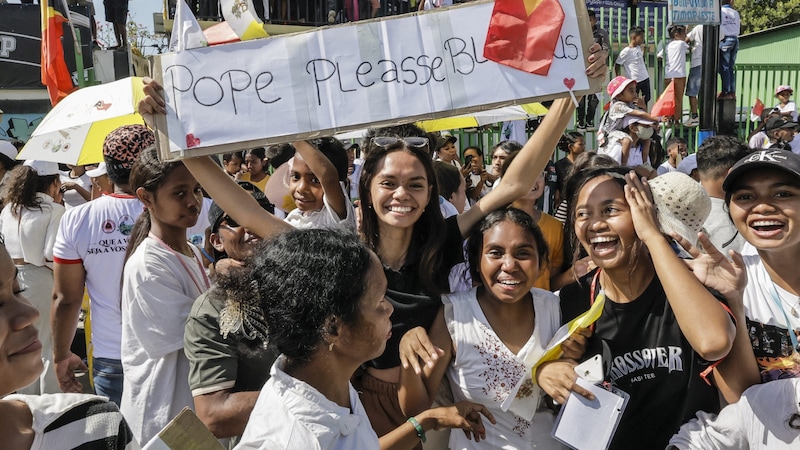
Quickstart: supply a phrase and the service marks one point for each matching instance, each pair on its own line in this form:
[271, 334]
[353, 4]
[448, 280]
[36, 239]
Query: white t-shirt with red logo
[95, 234]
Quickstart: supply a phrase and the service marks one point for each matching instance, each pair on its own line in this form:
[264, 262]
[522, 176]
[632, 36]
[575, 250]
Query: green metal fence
[758, 81]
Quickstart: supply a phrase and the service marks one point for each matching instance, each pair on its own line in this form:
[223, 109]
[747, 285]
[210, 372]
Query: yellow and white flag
[242, 18]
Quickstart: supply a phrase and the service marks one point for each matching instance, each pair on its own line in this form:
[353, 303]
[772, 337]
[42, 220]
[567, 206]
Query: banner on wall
[347, 77]
[694, 12]
[20, 45]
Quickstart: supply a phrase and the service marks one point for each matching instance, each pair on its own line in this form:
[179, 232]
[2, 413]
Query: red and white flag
[758, 108]
[524, 33]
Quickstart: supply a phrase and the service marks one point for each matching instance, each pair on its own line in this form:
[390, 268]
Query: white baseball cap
[43, 168]
[98, 172]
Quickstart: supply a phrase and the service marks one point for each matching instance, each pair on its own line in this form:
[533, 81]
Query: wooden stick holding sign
[372, 73]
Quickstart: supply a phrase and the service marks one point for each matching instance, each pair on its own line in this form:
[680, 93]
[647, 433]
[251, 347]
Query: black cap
[445, 138]
[216, 214]
[778, 122]
[763, 159]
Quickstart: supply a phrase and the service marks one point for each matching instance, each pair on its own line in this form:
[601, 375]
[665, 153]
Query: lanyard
[777, 299]
[601, 296]
[185, 267]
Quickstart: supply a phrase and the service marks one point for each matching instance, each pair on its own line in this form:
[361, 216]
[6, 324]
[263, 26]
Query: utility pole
[708, 84]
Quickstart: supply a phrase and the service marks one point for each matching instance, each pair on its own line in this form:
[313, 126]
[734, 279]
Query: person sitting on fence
[786, 106]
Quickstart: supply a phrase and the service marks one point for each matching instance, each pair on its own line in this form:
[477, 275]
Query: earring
[330, 347]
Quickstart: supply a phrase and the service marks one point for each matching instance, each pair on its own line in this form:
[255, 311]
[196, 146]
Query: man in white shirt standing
[90, 250]
[695, 37]
[729, 29]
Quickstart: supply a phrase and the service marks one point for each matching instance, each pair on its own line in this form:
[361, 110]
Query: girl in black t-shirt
[659, 325]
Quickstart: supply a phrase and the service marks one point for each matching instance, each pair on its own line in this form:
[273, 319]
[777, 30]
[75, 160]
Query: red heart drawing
[192, 141]
[569, 83]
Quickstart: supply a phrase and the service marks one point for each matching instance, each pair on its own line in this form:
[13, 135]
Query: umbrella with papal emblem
[74, 130]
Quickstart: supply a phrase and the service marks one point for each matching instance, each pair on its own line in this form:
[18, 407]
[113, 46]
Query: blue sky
[140, 10]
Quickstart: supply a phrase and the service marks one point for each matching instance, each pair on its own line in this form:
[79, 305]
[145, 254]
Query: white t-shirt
[72, 198]
[665, 167]
[323, 218]
[696, 36]
[291, 414]
[355, 178]
[675, 61]
[759, 140]
[789, 107]
[758, 421]
[447, 208]
[795, 145]
[730, 23]
[158, 290]
[31, 236]
[720, 229]
[632, 59]
[433, 4]
[197, 234]
[95, 234]
[614, 150]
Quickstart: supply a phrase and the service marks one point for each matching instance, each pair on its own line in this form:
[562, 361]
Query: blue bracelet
[420, 431]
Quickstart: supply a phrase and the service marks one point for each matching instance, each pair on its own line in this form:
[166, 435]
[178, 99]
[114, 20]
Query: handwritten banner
[694, 12]
[342, 78]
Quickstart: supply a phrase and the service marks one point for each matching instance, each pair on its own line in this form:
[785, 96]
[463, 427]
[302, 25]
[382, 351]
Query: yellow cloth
[553, 231]
[260, 184]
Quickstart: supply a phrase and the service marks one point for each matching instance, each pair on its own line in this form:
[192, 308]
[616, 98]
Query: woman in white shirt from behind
[29, 222]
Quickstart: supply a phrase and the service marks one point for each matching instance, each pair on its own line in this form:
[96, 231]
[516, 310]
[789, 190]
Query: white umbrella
[74, 130]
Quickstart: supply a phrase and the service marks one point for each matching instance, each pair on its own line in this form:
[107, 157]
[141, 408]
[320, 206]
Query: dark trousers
[586, 109]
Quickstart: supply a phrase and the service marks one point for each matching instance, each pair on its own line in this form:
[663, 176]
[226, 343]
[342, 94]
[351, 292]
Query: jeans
[728, 48]
[107, 374]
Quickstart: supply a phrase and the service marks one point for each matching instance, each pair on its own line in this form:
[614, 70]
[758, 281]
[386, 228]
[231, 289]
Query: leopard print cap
[125, 143]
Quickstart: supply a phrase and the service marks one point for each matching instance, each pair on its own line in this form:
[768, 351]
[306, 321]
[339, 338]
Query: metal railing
[305, 12]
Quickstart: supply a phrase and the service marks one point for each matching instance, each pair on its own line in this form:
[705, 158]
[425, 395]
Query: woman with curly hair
[29, 221]
[322, 294]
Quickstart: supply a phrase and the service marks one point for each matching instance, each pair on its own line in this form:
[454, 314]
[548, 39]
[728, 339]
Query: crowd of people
[306, 296]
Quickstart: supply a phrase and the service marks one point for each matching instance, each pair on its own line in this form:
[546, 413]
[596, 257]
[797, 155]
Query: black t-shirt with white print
[646, 355]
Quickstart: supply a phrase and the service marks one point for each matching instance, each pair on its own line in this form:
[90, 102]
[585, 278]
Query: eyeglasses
[410, 141]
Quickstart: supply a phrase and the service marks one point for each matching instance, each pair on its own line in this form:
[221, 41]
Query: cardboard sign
[342, 78]
[694, 12]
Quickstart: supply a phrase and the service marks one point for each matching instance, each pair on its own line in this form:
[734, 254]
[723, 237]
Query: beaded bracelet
[420, 431]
